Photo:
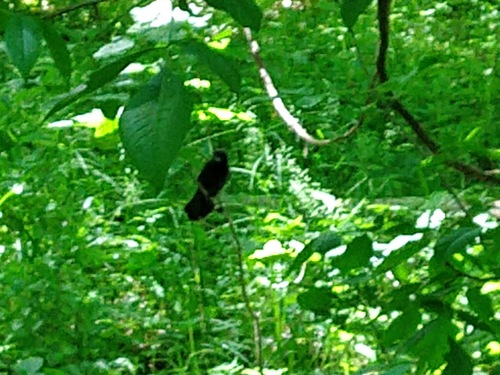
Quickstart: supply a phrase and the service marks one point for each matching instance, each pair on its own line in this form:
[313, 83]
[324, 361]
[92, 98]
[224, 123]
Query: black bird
[211, 179]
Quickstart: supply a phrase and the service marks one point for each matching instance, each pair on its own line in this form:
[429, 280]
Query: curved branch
[468, 170]
[292, 122]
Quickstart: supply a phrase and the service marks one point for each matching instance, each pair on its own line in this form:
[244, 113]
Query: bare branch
[278, 104]
[432, 146]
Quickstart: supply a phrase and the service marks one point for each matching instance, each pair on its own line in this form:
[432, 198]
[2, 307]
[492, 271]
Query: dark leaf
[154, 124]
[221, 65]
[183, 5]
[317, 300]
[23, 41]
[325, 242]
[399, 256]
[4, 18]
[480, 304]
[454, 242]
[97, 79]
[58, 49]
[109, 72]
[350, 10]
[459, 362]
[245, 12]
[110, 108]
[358, 254]
[430, 344]
[403, 326]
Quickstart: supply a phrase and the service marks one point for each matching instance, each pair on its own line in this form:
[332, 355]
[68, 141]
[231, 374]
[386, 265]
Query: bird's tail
[199, 206]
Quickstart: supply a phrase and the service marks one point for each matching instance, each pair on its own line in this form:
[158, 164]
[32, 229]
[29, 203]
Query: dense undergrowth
[370, 255]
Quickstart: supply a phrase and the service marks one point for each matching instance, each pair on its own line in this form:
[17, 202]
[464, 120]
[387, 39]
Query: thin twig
[246, 300]
[72, 8]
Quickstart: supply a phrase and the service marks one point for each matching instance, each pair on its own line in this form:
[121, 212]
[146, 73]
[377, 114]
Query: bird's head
[220, 156]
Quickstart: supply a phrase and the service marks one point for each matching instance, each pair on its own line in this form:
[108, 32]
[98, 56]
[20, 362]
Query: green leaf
[350, 10]
[430, 344]
[183, 5]
[358, 254]
[325, 242]
[459, 361]
[58, 49]
[23, 41]
[480, 304]
[97, 79]
[245, 12]
[317, 300]
[221, 65]
[154, 124]
[109, 72]
[454, 242]
[403, 326]
[398, 256]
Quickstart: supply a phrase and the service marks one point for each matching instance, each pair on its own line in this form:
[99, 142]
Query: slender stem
[246, 300]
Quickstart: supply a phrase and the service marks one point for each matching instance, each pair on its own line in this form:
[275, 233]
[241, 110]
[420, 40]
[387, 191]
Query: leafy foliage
[374, 254]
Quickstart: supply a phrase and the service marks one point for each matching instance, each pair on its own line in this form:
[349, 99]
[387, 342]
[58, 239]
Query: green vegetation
[359, 236]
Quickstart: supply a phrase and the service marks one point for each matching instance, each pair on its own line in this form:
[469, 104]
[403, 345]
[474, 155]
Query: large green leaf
[358, 254]
[58, 49]
[221, 65]
[97, 79]
[325, 242]
[23, 41]
[245, 12]
[350, 10]
[154, 124]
